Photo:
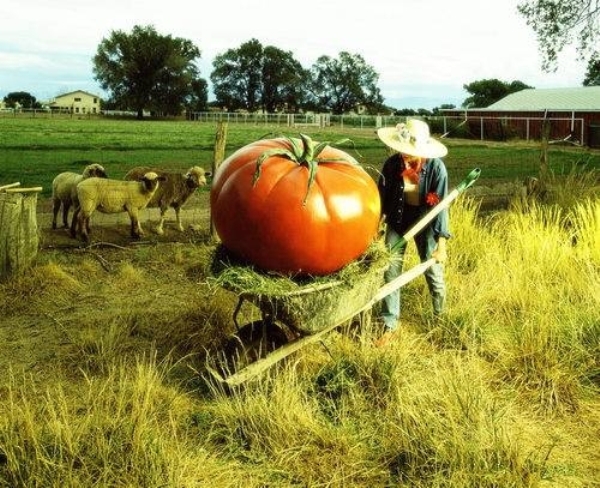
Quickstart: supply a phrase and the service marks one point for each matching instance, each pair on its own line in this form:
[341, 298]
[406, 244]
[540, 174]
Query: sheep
[113, 196]
[174, 192]
[64, 190]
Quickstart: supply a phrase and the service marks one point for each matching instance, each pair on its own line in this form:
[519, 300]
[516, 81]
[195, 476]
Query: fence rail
[565, 129]
[561, 129]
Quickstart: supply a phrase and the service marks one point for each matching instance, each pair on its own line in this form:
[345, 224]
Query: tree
[485, 92]
[197, 100]
[236, 76]
[252, 77]
[557, 23]
[284, 81]
[592, 76]
[21, 100]
[443, 106]
[145, 70]
[343, 84]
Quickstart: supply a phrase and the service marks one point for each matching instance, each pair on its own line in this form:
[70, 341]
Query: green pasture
[33, 151]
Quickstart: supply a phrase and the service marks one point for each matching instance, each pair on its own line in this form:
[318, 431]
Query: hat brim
[431, 149]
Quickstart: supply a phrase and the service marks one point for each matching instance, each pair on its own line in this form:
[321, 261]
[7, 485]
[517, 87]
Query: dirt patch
[115, 228]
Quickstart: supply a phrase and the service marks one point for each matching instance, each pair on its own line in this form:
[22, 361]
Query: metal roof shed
[574, 114]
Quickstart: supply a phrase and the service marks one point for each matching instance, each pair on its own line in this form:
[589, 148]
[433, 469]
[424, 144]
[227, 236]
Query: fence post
[219, 156]
[544, 153]
[18, 229]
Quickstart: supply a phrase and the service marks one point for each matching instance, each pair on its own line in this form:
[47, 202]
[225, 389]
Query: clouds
[424, 50]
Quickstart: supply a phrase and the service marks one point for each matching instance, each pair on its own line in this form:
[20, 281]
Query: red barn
[573, 115]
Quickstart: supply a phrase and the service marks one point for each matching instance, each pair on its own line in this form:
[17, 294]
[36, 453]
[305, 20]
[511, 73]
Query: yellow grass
[105, 386]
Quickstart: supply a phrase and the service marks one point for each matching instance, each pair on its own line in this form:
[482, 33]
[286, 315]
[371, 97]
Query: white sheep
[174, 192]
[113, 196]
[64, 190]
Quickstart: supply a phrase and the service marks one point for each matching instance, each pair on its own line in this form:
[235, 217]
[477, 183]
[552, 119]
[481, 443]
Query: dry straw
[307, 304]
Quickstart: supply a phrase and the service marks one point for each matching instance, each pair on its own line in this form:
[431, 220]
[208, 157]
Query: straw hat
[412, 138]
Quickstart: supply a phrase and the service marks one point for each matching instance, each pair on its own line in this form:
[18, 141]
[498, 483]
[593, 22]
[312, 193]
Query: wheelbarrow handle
[469, 180]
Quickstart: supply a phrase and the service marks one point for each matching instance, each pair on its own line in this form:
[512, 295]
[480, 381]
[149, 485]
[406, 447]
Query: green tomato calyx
[304, 152]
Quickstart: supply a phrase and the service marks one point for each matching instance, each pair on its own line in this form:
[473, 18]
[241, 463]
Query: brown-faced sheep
[64, 190]
[173, 192]
[113, 196]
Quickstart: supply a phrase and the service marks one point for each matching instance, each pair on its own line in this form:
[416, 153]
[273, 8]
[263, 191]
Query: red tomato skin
[271, 225]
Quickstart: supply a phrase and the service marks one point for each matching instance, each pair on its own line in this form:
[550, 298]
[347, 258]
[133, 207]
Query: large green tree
[144, 70]
[485, 92]
[21, 99]
[236, 76]
[344, 84]
[254, 77]
[558, 23]
[284, 81]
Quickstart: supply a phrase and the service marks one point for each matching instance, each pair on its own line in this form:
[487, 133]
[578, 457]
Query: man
[413, 180]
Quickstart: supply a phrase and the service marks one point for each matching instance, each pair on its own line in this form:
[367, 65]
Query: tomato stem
[304, 153]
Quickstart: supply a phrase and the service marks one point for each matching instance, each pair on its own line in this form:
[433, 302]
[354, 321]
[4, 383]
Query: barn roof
[585, 98]
[75, 92]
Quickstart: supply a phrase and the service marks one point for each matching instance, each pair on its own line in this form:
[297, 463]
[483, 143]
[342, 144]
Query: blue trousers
[434, 276]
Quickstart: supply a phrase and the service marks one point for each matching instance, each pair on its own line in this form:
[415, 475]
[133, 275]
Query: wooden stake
[219, 156]
[12, 185]
[24, 190]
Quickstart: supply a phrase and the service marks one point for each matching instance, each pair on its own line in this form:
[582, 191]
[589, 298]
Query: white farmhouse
[76, 102]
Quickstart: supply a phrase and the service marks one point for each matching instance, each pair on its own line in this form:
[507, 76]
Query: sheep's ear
[162, 178]
[207, 173]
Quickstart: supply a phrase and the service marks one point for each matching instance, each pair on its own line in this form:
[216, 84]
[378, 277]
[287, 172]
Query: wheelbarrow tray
[365, 295]
[307, 305]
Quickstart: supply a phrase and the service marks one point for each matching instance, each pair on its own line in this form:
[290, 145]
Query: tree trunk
[18, 231]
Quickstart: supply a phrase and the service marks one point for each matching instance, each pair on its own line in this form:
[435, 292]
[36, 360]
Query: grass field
[33, 151]
[105, 348]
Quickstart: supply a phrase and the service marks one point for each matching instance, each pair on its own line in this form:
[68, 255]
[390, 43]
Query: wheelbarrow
[304, 313]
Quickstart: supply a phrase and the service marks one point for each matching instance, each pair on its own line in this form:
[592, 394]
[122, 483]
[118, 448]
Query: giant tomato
[294, 206]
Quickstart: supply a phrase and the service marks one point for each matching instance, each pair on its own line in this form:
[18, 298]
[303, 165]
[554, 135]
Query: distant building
[76, 102]
[573, 113]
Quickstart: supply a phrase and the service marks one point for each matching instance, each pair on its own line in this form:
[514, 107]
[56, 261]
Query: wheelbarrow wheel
[252, 342]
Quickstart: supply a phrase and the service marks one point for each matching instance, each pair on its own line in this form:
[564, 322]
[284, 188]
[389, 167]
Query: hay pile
[306, 304]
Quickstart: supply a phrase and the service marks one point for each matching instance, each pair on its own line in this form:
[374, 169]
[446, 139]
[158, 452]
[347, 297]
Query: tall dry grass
[126, 428]
[502, 392]
[530, 302]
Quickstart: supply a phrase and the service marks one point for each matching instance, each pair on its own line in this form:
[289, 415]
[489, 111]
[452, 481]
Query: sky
[424, 51]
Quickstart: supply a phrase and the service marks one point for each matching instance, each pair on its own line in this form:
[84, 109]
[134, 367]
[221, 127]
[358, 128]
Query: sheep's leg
[83, 222]
[65, 214]
[159, 228]
[178, 218]
[55, 210]
[75, 221]
[136, 227]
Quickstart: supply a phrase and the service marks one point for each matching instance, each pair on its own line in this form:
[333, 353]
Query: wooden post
[544, 168]
[219, 156]
[18, 229]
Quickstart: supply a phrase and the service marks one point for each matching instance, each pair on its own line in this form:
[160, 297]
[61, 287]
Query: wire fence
[491, 128]
[567, 129]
